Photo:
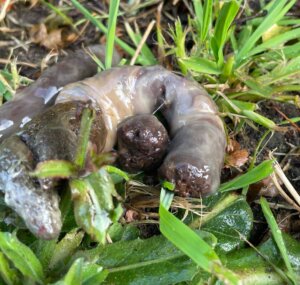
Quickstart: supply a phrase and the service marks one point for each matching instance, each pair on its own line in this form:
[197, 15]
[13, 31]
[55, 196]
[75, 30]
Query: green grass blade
[224, 21]
[166, 197]
[259, 119]
[200, 65]
[146, 52]
[193, 246]
[198, 8]
[178, 233]
[277, 235]
[112, 169]
[283, 71]
[207, 18]
[179, 36]
[103, 29]
[287, 52]
[276, 41]
[54, 169]
[67, 20]
[277, 11]
[111, 31]
[289, 21]
[254, 175]
[88, 116]
[244, 35]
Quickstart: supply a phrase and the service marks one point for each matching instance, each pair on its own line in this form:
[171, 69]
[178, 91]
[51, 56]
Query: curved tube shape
[50, 135]
[193, 161]
[196, 154]
[35, 201]
[41, 94]
[38, 208]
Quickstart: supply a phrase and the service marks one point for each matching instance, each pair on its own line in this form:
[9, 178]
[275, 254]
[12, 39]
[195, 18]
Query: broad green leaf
[93, 274]
[44, 250]
[54, 169]
[267, 255]
[104, 188]
[74, 274]
[200, 65]
[87, 211]
[254, 175]
[22, 257]
[8, 274]
[118, 232]
[94, 207]
[151, 261]
[277, 235]
[64, 249]
[227, 219]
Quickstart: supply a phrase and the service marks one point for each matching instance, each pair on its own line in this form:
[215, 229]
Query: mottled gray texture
[193, 161]
[196, 154]
[41, 94]
[38, 208]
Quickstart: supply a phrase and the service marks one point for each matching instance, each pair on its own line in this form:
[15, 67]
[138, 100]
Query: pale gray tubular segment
[38, 208]
[196, 154]
[41, 94]
[113, 91]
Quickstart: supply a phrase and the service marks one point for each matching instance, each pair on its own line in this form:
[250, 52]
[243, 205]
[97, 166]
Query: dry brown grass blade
[4, 8]
[143, 40]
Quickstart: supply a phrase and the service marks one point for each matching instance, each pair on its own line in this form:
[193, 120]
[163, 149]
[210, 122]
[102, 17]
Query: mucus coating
[195, 156]
[193, 161]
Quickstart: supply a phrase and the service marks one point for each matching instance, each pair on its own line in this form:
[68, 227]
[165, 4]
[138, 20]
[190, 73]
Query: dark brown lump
[142, 143]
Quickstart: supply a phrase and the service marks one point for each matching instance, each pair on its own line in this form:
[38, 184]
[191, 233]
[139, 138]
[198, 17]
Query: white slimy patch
[5, 124]
[25, 120]
[48, 93]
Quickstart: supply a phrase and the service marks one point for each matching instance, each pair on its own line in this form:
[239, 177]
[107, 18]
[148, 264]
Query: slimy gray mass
[193, 158]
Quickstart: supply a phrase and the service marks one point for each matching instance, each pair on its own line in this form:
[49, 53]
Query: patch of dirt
[283, 144]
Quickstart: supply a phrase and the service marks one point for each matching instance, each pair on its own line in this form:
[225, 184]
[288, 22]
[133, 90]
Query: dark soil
[283, 144]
